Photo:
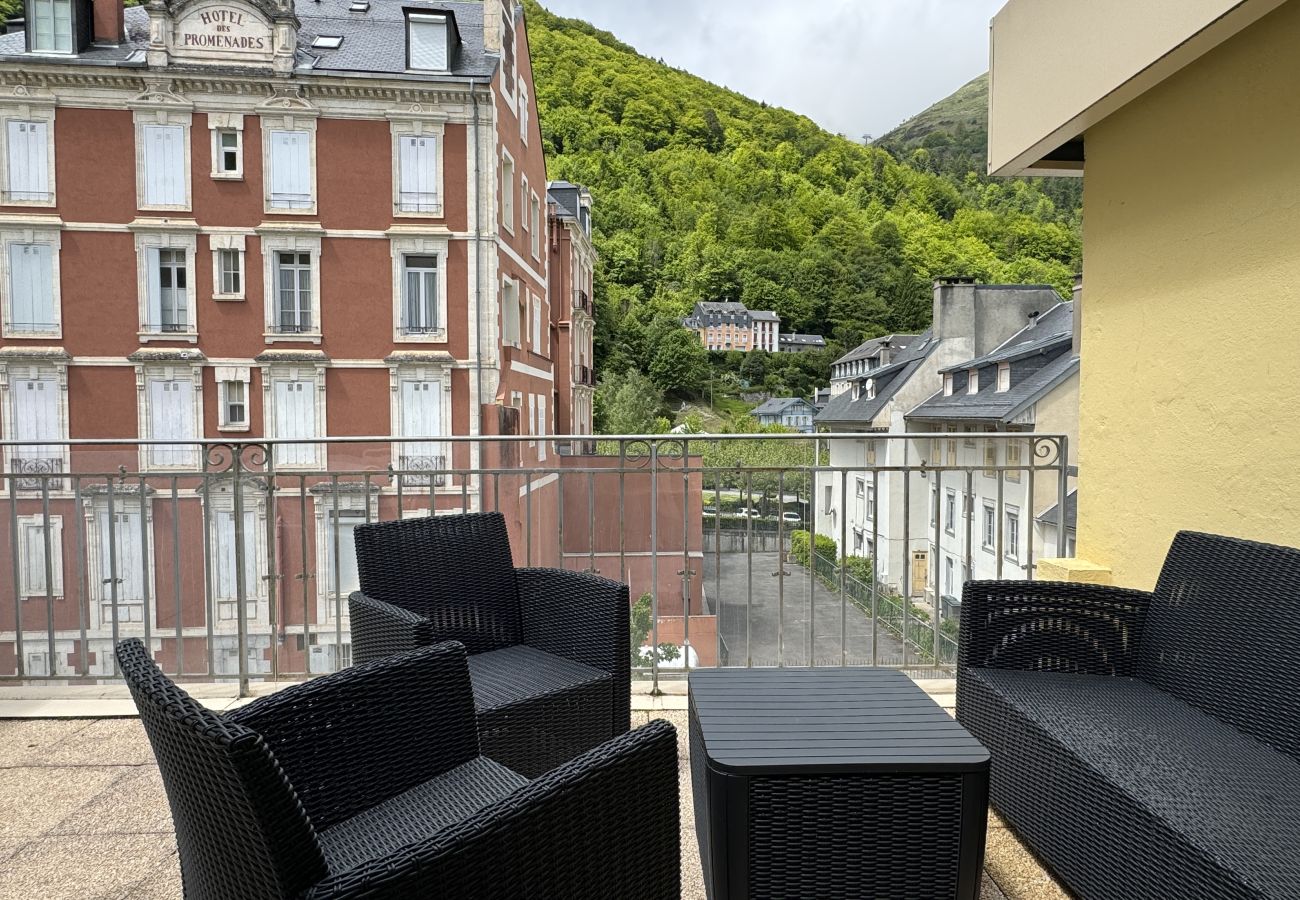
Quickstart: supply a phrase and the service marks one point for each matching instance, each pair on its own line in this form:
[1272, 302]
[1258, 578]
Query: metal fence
[233, 559]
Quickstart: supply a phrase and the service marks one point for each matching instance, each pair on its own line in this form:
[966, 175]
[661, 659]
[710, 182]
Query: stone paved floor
[83, 814]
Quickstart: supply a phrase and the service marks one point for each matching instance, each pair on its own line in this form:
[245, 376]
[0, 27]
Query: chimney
[110, 26]
[1077, 299]
[492, 13]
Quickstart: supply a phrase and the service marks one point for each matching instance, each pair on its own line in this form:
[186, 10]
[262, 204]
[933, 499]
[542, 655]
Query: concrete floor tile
[26, 741]
[35, 799]
[133, 804]
[111, 742]
[92, 866]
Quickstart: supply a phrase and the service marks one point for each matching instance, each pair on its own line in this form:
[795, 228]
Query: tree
[681, 364]
[628, 403]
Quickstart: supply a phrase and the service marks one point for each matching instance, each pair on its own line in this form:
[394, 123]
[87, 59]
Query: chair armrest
[584, 618]
[1050, 627]
[381, 629]
[605, 824]
[353, 739]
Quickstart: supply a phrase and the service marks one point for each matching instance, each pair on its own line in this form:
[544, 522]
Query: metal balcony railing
[739, 550]
[584, 375]
[582, 302]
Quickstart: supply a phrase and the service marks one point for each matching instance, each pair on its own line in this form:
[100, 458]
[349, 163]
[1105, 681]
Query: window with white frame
[934, 506]
[1004, 377]
[122, 557]
[51, 24]
[31, 284]
[294, 405]
[524, 111]
[537, 332]
[172, 410]
[422, 411]
[535, 217]
[163, 163]
[420, 295]
[510, 324]
[828, 502]
[40, 554]
[988, 536]
[947, 384]
[428, 42]
[289, 163]
[227, 145]
[233, 389]
[228, 282]
[36, 413]
[1011, 544]
[341, 578]
[523, 203]
[949, 577]
[165, 263]
[973, 381]
[226, 564]
[29, 161]
[871, 502]
[508, 48]
[543, 427]
[418, 179]
[1013, 459]
[507, 192]
[291, 286]
[990, 458]
[950, 511]
[532, 419]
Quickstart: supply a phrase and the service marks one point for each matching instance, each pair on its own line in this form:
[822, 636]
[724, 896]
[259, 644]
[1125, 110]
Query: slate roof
[842, 409]
[870, 348]
[809, 340]
[1049, 338]
[1049, 515]
[564, 194]
[374, 41]
[778, 405]
[764, 316]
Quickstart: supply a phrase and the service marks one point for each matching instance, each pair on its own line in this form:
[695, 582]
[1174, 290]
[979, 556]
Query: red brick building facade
[240, 220]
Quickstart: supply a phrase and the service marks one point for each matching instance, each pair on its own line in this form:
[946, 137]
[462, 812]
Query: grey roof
[565, 194]
[992, 406]
[870, 348]
[373, 41]
[725, 307]
[842, 409]
[764, 316]
[809, 339]
[1050, 515]
[778, 405]
[1051, 328]
[1048, 337]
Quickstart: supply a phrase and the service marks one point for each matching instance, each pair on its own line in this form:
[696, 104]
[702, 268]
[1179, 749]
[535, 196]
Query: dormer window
[428, 42]
[947, 384]
[871, 389]
[327, 42]
[51, 26]
[973, 381]
[1004, 377]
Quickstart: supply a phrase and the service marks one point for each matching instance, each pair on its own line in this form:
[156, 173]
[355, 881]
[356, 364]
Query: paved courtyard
[83, 814]
[778, 608]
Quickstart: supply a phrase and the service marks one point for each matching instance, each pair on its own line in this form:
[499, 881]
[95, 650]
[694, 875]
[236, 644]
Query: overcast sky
[853, 66]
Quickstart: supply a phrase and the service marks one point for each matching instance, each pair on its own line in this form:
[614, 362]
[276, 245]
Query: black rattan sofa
[549, 649]
[369, 783]
[1146, 746]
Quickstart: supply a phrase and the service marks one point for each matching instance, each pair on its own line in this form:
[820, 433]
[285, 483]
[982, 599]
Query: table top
[768, 721]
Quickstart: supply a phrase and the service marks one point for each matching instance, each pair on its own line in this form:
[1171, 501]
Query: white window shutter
[28, 161]
[537, 325]
[36, 416]
[418, 155]
[164, 165]
[291, 169]
[31, 287]
[130, 557]
[295, 418]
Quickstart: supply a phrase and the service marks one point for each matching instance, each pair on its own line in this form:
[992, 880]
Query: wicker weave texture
[1144, 745]
[406, 820]
[424, 580]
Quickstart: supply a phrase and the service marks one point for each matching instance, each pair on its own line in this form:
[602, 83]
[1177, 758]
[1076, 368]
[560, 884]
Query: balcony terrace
[233, 562]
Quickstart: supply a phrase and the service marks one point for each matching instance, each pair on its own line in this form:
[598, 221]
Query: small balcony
[36, 473]
[582, 302]
[584, 375]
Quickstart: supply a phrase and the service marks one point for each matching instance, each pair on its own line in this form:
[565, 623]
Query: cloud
[854, 66]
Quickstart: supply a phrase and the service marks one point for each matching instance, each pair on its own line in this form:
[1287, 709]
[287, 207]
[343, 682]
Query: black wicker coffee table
[833, 783]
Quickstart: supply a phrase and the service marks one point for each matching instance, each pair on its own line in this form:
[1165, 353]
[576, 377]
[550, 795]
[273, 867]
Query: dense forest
[703, 194]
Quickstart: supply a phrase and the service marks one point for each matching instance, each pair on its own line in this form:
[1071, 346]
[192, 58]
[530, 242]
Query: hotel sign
[222, 30]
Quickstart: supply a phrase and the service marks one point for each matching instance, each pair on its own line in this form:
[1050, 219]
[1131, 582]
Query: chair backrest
[456, 571]
[1223, 634]
[240, 829]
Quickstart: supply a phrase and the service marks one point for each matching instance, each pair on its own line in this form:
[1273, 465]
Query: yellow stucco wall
[1190, 394]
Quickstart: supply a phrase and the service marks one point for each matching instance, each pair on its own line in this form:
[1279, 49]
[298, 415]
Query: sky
[856, 67]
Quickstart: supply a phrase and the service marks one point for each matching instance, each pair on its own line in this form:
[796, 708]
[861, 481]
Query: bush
[642, 625]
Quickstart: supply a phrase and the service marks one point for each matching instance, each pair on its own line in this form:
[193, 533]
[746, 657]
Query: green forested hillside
[703, 194]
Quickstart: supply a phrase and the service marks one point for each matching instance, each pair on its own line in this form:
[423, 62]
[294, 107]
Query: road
[778, 611]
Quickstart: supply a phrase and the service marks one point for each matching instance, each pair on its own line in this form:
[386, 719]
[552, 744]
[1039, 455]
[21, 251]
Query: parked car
[748, 513]
[792, 517]
[710, 510]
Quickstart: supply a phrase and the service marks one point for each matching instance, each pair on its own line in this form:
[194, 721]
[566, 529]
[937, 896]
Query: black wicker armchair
[369, 783]
[549, 649]
[1147, 745]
